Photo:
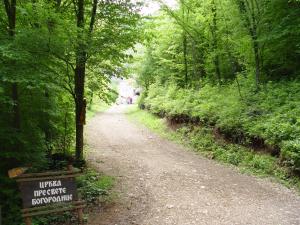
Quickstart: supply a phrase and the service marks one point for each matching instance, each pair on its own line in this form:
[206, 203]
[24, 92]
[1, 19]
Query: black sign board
[44, 192]
[48, 192]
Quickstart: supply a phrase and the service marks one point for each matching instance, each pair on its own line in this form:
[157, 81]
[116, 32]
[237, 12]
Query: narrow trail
[160, 183]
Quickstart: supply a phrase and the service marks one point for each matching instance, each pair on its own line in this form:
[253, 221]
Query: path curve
[161, 183]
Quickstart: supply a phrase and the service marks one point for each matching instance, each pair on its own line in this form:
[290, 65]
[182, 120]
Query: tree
[250, 9]
[114, 16]
[10, 8]
[55, 56]
[79, 76]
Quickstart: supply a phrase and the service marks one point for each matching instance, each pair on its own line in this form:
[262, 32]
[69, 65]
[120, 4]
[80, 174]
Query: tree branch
[64, 60]
[93, 16]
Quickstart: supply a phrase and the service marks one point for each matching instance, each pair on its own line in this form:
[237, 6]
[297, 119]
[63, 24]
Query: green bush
[92, 185]
[291, 153]
[202, 139]
[272, 114]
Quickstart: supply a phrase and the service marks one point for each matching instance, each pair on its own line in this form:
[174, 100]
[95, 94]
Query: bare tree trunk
[79, 82]
[80, 108]
[65, 132]
[81, 58]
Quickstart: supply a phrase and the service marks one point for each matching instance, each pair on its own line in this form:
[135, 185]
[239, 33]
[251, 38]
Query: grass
[105, 182]
[94, 186]
[154, 123]
[97, 106]
[201, 140]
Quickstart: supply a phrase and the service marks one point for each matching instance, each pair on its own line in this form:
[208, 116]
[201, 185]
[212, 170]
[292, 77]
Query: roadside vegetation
[56, 58]
[230, 68]
[267, 121]
[93, 187]
[203, 140]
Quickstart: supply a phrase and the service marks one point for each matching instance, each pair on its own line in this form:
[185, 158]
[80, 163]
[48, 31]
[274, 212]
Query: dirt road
[160, 183]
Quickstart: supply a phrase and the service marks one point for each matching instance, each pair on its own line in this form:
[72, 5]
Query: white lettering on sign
[50, 192]
[47, 184]
[51, 199]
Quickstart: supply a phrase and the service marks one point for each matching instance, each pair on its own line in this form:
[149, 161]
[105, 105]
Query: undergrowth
[202, 140]
[270, 116]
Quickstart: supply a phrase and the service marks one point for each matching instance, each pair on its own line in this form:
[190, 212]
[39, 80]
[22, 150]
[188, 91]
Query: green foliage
[291, 153]
[62, 218]
[202, 140]
[230, 64]
[233, 65]
[95, 107]
[271, 114]
[92, 186]
[38, 57]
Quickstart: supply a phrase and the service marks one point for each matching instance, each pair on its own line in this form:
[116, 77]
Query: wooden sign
[50, 192]
[43, 192]
[16, 172]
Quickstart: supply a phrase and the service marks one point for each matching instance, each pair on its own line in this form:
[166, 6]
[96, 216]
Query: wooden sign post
[50, 192]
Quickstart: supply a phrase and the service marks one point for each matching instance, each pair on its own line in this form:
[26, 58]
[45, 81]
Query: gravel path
[160, 183]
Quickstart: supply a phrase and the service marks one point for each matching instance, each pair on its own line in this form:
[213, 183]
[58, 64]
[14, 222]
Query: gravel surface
[160, 183]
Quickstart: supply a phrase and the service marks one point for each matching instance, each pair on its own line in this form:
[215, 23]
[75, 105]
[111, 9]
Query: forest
[231, 65]
[56, 57]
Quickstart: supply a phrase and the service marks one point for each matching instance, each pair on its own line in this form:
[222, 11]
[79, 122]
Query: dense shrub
[272, 114]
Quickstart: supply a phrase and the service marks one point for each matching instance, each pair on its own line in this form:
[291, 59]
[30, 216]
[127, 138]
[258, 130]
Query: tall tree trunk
[185, 59]
[253, 33]
[80, 107]
[81, 58]
[252, 16]
[79, 82]
[46, 128]
[185, 16]
[215, 41]
[16, 107]
[195, 77]
[10, 8]
[256, 55]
